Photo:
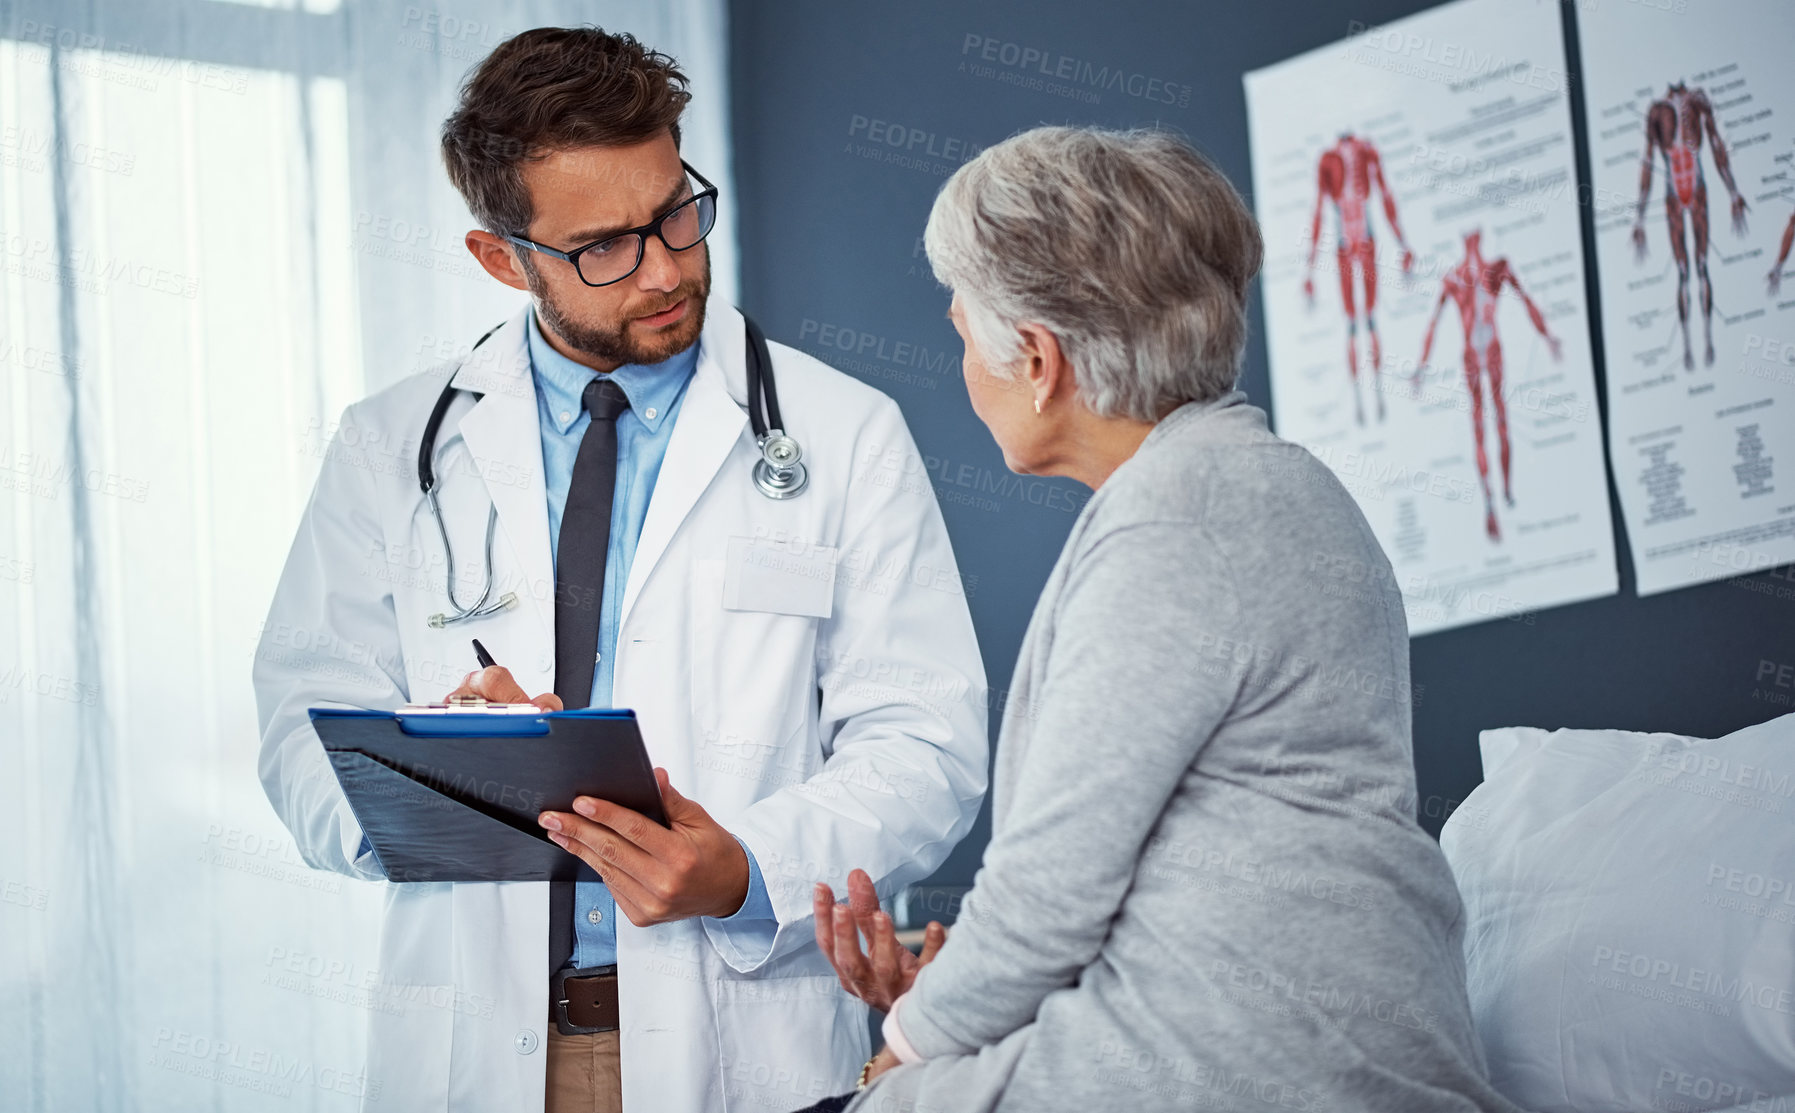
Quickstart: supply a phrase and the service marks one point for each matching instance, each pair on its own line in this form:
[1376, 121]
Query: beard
[614, 345]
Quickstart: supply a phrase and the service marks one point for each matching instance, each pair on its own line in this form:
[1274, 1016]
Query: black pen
[482, 656]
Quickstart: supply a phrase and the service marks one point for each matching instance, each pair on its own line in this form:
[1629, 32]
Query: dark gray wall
[830, 242]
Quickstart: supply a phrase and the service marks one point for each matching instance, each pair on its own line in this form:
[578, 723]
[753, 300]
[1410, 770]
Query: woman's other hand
[883, 972]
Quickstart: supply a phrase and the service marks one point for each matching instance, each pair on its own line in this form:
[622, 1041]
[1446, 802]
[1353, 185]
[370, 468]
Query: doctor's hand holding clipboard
[692, 867]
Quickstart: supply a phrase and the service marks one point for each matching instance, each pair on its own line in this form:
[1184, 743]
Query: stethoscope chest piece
[778, 473]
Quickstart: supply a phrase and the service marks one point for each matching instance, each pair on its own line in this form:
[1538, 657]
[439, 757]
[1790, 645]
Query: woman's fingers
[884, 969]
[823, 912]
[862, 897]
[864, 900]
[932, 939]
[882, 954]
[850, 964]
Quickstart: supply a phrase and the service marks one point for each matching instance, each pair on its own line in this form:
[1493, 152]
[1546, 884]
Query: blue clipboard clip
[468, 716]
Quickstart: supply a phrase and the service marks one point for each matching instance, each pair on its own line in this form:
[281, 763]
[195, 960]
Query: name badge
[782, 577]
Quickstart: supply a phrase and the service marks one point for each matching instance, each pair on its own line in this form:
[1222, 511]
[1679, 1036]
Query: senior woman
[1205, 885]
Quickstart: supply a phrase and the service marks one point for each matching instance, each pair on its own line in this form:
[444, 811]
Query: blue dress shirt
[655, 394]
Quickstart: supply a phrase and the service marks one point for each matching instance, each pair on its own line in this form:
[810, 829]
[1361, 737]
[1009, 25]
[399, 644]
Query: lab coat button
[545, 662]
[525, 1042]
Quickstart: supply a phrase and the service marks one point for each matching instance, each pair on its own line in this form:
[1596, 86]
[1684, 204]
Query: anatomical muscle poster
[1691, 108]
[1424, 302]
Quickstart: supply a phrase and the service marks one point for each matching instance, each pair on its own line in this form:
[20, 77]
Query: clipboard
[453, 795]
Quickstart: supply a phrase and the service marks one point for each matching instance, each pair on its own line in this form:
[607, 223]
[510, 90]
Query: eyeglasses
[616, 257]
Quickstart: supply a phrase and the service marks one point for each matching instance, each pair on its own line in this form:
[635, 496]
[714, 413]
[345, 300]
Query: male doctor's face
[583, 194]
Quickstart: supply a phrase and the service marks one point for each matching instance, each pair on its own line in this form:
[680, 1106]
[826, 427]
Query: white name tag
[783, 577]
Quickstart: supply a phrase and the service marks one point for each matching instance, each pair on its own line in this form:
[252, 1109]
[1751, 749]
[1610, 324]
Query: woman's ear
[1042, 364]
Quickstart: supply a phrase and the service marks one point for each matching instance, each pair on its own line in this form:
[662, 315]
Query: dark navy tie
[579, 594]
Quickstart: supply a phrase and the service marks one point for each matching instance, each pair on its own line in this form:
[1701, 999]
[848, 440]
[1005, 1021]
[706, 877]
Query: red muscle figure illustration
[1475, 285]
[1347, 172]
[1674, 127]
[1782, 256]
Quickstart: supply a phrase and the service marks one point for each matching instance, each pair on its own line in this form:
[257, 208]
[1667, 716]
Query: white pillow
[1630, 917]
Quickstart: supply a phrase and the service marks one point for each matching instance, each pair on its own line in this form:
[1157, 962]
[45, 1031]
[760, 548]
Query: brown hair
[549, 89]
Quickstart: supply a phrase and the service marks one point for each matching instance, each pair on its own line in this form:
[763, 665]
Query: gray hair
[1129, 246]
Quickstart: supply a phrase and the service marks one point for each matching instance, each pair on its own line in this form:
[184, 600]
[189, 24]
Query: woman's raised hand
[883, 972]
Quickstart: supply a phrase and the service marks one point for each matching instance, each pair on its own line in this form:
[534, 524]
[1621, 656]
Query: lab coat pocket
[821, 1040]
[754, 629]
[411, 1031]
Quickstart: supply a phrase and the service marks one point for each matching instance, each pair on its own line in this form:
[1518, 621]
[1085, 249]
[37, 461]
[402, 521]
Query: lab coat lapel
[708, 428]
[505, 440]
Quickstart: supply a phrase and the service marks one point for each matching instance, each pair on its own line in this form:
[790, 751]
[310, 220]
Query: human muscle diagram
[1347, 174]
[1782, 256]
[1692, 155]
[1674, 127]
[1475, 287]
[1429, 163]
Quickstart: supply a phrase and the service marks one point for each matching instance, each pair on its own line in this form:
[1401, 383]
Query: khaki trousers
[585, 1074]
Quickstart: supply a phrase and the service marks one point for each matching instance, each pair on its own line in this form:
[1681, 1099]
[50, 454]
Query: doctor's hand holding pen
[495, 684]
[884, 972]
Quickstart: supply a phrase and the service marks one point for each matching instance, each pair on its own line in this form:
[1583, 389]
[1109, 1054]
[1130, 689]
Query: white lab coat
[827, 725]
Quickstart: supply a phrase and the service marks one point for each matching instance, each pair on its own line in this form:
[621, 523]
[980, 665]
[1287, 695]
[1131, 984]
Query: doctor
[803, 666]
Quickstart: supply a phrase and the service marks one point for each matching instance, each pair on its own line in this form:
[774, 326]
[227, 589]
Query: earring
[1037, 407]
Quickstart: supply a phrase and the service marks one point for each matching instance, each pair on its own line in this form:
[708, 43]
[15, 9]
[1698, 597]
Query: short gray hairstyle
[1129, 246]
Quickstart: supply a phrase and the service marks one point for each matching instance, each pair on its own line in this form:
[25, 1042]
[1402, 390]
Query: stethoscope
[778, 474]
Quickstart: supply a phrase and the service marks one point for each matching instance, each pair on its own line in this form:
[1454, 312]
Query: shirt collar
[650, 387]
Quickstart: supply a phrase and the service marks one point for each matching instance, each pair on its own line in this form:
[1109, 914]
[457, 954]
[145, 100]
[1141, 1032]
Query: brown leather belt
[581, 1002]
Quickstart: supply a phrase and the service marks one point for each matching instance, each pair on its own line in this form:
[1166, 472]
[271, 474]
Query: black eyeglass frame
[641, 233]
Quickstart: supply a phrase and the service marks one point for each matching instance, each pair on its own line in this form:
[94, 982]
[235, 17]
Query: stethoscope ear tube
[427, 443]
[760, 383]
[427, 483]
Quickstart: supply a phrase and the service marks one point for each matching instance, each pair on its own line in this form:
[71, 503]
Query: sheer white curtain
[220, 223]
